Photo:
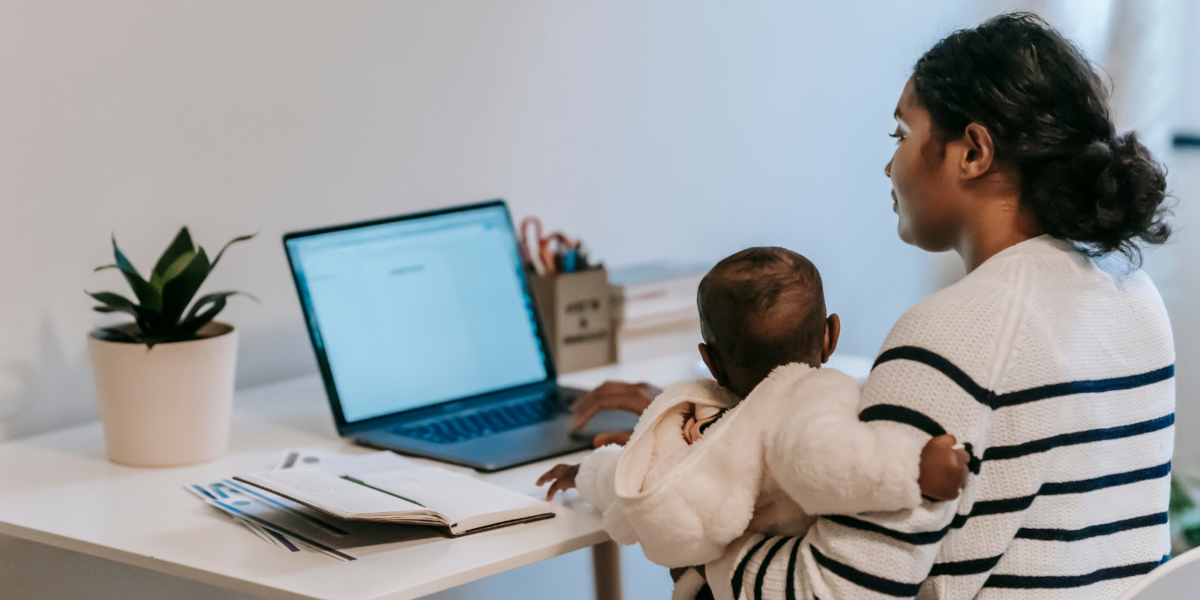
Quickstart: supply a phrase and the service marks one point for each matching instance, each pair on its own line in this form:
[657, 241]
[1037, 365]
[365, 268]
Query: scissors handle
[552, 257]
[537, 237]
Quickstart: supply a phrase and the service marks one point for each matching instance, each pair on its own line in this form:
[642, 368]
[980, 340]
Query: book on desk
[424, 496]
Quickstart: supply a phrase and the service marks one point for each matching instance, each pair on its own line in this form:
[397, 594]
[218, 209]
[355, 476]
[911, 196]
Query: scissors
[551, 249]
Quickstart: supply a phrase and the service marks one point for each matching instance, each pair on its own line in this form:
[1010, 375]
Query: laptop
[429, 342]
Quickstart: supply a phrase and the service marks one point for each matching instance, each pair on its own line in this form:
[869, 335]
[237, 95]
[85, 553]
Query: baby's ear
[833, 329]
[712, 360]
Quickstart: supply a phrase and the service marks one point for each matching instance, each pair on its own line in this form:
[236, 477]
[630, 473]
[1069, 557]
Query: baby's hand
[943, 468]
[563, 477]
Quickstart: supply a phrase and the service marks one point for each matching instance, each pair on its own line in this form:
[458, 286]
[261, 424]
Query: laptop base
[506, 449]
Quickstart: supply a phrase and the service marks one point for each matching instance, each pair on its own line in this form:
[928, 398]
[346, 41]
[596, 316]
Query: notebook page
[457, 497]
[331, 492]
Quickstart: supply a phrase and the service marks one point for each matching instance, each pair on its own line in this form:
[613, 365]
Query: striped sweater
[1058, 372]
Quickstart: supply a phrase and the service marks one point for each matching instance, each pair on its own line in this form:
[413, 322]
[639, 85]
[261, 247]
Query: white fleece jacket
[793, 448]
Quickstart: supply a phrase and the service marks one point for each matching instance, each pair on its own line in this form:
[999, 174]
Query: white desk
[59, 489]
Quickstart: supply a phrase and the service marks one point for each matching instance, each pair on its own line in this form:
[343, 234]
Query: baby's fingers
[561, 485]
[556, 473]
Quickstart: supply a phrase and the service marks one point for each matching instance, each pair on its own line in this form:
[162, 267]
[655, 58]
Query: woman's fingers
[612, 395]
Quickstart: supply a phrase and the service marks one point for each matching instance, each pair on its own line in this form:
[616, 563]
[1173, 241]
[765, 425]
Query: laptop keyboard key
[460, 428]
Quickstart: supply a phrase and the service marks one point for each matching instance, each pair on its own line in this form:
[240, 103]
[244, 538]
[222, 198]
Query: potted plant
[165, 380]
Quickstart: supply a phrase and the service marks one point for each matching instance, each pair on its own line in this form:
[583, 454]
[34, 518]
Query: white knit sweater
[1058, 370]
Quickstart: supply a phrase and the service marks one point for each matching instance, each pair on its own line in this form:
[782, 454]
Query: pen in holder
[573, 297]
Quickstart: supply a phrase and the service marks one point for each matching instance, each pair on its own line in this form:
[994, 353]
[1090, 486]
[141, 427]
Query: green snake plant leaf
[182, 244]
[173, 270]
[178, 290]
[213, 298]
[162, 299]
[114, 303]
[196, 320]
[150, 297]
[227, 245]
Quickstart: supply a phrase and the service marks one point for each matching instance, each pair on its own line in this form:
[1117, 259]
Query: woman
[1052, 358]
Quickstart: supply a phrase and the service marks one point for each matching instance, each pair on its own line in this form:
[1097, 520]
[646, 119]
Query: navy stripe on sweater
[919, 538]
[1010, 505]
[1074, 535]
[766, 562]
[983, 565]
[965, 567]
[939, 362]
[866, 580]
[901, 414]
[1070, 581]
[995, 401]
[740, 571]
[1078, 437]
[1107, 481]
[790, 587]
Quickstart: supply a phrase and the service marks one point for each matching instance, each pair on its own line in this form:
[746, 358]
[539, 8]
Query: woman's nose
[887, 169]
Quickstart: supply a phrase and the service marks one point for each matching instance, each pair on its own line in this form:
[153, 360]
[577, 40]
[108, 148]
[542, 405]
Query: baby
[770, 442]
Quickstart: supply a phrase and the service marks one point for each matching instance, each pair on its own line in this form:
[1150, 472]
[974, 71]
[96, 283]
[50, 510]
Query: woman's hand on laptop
[612, 395]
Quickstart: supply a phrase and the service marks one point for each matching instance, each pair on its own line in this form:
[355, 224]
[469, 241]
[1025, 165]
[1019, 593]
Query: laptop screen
[415, 312]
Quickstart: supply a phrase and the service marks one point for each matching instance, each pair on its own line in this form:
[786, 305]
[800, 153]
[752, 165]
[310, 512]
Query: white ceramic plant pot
[168, 405]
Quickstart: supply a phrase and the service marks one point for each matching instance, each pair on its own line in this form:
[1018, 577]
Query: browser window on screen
[412, 313]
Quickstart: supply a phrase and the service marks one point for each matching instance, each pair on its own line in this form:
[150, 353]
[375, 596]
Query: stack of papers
[350, 506]
[657, 294]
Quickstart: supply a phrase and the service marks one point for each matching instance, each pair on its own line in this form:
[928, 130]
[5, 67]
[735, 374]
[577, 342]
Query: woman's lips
[895, 201]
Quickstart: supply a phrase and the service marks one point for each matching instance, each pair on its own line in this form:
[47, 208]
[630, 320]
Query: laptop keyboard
[463, 427]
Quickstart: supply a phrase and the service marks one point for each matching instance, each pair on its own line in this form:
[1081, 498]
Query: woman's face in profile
[922, 188]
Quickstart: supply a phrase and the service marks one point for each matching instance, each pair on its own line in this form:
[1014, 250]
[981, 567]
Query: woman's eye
[897, 135]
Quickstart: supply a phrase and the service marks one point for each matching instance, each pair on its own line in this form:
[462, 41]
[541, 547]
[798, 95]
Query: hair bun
[1106, 196]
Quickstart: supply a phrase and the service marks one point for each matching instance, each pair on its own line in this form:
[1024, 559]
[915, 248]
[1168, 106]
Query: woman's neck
[1000, 222]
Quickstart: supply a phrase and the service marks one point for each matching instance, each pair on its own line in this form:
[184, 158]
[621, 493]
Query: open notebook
[425, 496]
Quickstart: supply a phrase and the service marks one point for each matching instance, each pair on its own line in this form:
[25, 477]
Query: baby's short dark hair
[763, 307]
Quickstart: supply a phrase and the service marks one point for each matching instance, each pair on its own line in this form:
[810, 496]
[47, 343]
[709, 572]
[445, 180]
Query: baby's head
[759, 309]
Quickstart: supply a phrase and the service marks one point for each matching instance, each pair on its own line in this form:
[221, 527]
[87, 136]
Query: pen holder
[577, 311]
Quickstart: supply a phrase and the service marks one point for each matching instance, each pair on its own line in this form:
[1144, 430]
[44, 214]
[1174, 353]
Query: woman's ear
[980, 151]
[833, 329]
[712, 360]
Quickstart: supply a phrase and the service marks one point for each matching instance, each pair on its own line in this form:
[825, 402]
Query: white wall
[1189, 113]
[685, 129]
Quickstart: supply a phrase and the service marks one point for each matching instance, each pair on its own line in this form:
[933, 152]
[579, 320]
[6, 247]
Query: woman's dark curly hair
[1047, 112]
